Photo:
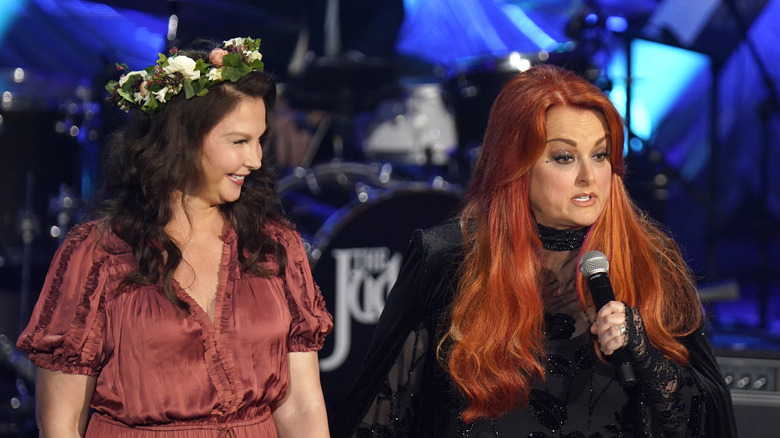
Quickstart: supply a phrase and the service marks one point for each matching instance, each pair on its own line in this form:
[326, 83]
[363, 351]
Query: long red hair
[494, 341]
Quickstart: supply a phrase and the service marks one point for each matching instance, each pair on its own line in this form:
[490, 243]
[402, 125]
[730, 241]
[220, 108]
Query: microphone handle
[621, 361]
[601, 291]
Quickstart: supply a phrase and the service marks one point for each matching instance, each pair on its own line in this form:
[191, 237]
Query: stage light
[518, 62]
[8, 99]
[660, 74]
[11, 9]
[636, 144]
[173, 27]
[616, 24]
[528, 27]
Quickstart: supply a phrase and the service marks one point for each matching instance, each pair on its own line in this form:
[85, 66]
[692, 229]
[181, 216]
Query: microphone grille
[593, 262]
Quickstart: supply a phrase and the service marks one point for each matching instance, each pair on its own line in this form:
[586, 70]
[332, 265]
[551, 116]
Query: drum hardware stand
[342, 85]
[23, 404]
[316, 141]
[64, 206]
[9, 356]
[28, 226]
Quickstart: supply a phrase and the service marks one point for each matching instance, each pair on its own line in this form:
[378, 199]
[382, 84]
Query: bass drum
[356, 250]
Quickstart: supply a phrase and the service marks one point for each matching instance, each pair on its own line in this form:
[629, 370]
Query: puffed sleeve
[311, 321]
[66, 329]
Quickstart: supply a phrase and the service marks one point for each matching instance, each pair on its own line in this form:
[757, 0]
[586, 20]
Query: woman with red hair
[491, 331]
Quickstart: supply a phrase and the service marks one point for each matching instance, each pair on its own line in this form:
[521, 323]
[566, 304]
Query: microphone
[594, 266]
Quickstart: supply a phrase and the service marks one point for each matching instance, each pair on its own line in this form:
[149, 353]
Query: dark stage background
[383, 105]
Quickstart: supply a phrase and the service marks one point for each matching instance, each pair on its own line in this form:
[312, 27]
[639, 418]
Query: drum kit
[391, 143]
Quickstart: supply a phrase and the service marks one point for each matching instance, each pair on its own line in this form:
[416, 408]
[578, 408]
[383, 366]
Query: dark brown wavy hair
[156, 155]
[494, 340]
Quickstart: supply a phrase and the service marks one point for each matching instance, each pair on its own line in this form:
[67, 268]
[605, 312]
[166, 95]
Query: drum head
[357, 252]
[358, 256]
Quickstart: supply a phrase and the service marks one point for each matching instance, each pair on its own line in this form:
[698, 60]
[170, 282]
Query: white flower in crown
[235, 42]
[160, 95]
[183, 65]
[127, 75]
[253, 56]
[214, 74]
[138, 97]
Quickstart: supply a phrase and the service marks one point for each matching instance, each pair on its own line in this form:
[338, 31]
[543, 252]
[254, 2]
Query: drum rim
[336, 222]
[299, 174]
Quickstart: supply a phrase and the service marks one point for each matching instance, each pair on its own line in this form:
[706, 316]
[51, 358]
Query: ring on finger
[623, 329]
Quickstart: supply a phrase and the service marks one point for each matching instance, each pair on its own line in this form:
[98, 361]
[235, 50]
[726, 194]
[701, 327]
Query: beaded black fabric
[558, 326]
[561, 240]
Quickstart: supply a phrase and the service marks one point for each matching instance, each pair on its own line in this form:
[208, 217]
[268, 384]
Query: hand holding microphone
[594, 266]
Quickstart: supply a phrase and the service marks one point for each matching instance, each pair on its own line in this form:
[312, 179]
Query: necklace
[561, 240]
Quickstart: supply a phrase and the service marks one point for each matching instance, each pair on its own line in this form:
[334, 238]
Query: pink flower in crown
[216, 56]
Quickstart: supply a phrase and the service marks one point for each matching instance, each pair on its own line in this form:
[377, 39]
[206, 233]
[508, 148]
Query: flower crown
[151, 88]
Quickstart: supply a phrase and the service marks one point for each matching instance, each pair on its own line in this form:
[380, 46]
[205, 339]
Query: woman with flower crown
[187, 307]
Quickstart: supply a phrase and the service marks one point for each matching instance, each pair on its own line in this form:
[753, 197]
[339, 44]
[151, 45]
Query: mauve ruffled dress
[161, 374]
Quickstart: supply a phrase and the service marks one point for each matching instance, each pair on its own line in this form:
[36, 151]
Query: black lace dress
[404, 392]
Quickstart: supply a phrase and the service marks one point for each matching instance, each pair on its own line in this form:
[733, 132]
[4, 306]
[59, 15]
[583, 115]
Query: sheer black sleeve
[392, 411]
[681, 398]
[390, 396]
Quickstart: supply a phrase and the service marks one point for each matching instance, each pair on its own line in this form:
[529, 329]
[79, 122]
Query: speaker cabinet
[757, 413]
[755, 393]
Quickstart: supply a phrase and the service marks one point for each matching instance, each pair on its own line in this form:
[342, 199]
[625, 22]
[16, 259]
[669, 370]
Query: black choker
[561, 240]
